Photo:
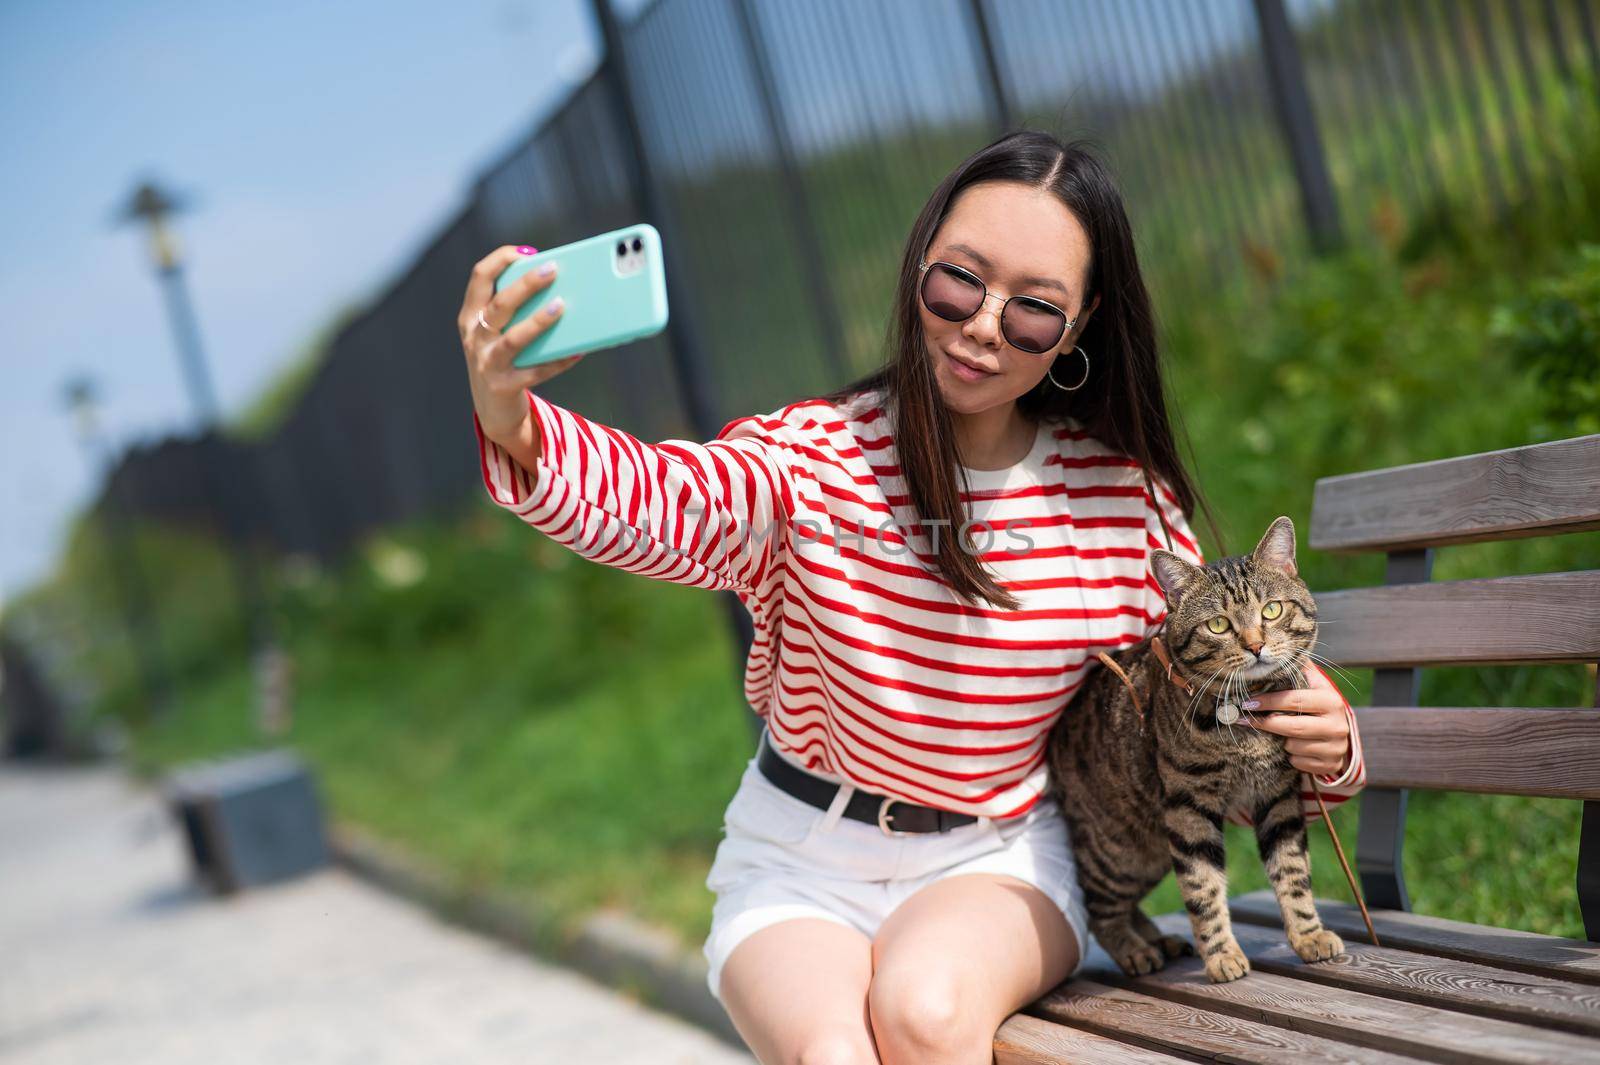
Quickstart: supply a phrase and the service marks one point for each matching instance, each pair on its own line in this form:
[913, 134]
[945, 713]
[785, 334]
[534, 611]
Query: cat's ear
[1174, 574]
[1276, 549]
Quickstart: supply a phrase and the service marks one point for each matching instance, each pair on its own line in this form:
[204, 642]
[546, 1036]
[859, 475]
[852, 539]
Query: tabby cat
[1145, 796]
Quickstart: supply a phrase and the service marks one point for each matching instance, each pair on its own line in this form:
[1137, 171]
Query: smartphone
[615, 285]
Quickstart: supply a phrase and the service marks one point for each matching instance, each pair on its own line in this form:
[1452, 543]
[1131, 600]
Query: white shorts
[782, 858]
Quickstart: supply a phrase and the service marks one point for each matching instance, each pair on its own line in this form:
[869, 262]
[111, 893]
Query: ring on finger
[484, 322]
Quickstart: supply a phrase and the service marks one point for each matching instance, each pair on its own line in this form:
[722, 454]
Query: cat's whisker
[1194, 700]
[1318, 655]
[1227, 681]
[1201, 691]
[1333, 667]
[1201, 688]
[1231, 682]
[1323, 660]
[1228, 695]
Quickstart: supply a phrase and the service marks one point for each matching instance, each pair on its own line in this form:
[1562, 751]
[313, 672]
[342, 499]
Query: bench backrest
[1410, 621]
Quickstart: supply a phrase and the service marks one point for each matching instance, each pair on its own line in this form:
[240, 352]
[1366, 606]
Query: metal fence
[784, 148]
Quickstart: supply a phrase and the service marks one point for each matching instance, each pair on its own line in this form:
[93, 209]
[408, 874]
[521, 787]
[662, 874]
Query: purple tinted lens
[1029, 325]
[1033, 327]
[952, 296]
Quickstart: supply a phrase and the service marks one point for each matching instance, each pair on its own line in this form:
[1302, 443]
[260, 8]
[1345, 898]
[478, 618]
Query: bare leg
[959, 957]
[797, 993]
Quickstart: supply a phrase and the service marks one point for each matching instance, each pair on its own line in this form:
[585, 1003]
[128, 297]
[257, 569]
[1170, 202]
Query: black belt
[903, 818]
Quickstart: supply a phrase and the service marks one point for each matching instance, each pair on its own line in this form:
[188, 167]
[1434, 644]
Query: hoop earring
[1051, 374]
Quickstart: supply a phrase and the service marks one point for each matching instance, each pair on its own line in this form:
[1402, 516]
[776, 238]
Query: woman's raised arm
[710, 515]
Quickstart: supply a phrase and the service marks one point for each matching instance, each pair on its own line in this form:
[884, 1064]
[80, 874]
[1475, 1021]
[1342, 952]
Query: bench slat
[1493, 750]
[1025, 1040]
[1506, 948]
[1539, 489]
[1356, 1017]
[1543, 617]
[1124, 1014]
[1443, 983]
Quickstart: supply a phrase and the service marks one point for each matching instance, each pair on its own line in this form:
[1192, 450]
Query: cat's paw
[1318, 946]
[1140, 959]
[1174, 946]
[1226, 963]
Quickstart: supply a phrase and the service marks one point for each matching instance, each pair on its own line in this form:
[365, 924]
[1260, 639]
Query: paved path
[108, 954]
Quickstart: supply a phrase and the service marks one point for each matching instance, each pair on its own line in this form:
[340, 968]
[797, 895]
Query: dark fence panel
[793, 143]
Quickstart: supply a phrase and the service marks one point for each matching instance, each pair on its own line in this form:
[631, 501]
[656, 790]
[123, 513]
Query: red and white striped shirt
[866, 666]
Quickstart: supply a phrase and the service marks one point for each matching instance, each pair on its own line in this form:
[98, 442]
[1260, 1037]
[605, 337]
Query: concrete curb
[610, 947]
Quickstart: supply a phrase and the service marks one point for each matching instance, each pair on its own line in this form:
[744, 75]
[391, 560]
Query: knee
[825, 1047]
[920, 1017]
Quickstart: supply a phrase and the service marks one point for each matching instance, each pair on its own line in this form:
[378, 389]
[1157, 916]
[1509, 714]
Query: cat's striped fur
[1141, 801]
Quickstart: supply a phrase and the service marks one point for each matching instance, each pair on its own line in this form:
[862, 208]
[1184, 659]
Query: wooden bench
[1437, 990]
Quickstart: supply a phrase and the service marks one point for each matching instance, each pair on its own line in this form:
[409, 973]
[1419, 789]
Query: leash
[1188, 688]
[1337, 849]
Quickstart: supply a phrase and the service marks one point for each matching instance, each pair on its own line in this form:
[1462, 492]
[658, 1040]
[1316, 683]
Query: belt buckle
[883, 818]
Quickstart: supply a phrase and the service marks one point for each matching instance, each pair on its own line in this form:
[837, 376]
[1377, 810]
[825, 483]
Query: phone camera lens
[622, 247]
[637, 244]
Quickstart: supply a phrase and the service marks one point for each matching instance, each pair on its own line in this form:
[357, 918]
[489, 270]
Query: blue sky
[324, 143]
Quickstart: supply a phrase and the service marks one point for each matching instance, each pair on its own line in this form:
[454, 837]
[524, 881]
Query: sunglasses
[1027, 322]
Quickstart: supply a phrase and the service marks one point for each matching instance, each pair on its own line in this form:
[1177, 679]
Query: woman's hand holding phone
[498, 387]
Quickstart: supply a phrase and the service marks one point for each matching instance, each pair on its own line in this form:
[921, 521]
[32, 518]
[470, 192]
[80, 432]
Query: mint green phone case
[614, 292]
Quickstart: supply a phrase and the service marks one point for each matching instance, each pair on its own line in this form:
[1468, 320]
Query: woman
[891, 887]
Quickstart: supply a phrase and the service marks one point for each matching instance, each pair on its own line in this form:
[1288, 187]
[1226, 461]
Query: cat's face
[1242, 618]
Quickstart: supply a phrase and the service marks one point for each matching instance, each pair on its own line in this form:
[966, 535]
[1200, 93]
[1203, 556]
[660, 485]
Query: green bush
[1553, 331]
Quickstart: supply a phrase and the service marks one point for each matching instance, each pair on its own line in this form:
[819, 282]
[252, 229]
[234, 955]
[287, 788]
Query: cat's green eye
[1272, 610]
[1218, 624]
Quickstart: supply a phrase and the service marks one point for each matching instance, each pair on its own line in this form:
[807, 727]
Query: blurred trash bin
[33, 722]
[249, 819]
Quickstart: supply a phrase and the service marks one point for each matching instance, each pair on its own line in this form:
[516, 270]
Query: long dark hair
[1122, 403]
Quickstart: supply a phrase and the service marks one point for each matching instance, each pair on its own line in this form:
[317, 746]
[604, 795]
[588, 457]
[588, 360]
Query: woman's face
[1020, 241]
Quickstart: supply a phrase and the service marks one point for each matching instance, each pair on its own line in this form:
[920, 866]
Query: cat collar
[1227, 713]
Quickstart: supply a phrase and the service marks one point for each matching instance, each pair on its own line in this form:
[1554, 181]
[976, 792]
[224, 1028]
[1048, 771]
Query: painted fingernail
[546, 270]
[526, 249]
[1250, 704]
[553, 308]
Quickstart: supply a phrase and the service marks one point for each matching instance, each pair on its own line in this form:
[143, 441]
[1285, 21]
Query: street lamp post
[122, 553]
[153, 205]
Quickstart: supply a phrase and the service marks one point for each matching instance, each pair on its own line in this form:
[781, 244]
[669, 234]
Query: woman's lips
[965, 372]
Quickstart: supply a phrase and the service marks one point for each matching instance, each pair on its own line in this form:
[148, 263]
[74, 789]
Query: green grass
[1463, 860]
[549, 727]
